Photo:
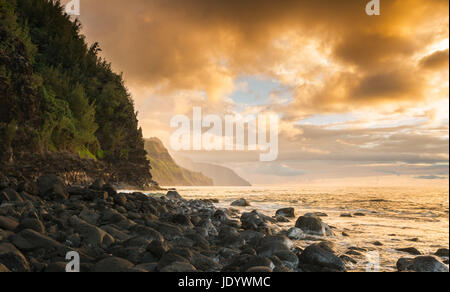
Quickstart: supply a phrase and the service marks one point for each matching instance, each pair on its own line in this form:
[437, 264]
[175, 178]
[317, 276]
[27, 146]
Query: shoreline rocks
[133, 232]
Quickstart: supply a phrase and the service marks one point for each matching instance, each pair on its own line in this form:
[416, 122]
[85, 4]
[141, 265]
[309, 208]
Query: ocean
[389, 219]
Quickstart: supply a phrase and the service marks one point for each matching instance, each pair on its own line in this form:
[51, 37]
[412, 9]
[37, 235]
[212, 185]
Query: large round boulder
[313, 225]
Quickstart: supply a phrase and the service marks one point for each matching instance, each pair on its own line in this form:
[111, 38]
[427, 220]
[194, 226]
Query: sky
[361, 99]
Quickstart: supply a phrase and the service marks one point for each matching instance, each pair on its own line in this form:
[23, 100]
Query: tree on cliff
[57, 91]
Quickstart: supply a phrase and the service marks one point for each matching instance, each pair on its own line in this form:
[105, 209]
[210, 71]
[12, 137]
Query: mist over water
[396, 217]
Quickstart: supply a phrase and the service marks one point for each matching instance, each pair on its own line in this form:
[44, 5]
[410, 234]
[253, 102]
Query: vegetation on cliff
[57, 94]
[165, 170]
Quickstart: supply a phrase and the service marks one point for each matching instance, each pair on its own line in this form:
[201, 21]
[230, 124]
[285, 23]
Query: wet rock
[33, 224]
[205, 264]
[173, 195]
[252, 237]
[4, 198]
[182, 219]
[313, 225]
[286, 212]
[377, 243]
[113, 265]
[288, 259]
[359, 214]
[52, 187]
[158, 248]
[348, 259]
[179, 267]
[295, 233]
[320, 258]
[230, 237]
[120, 199]
[257, 261]
[12, 195]
[255, 221]
[58, 267]
[169, 258]
[30, 240]
[7, 223]
[259, 270]
[241, 203]
[13, 259]
[443, 252]
[92, 235]
[410, 250]
[281, 219]
[422, 264]
[148, 267]
[316, 214]
[4, 269]
[346, 215]
[98, 184]
[90, 216]
[272, 247]
[148, 232]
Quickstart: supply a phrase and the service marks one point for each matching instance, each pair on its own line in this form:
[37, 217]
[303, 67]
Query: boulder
[13, 259]
[33, 224]
[173, 195]
[179, 267]
[158, 248]
[8, 223]
[286, 212]
[256, 221]
[313, 225]
[92, 235]
[320, 258]
[52, 187]
[113, 265]
[295, 233]
[4, 269]
[29, 240]
[259, 270]
[443, 252]
[241, 203]
[120, 199]
[421, 264]
[410, 250]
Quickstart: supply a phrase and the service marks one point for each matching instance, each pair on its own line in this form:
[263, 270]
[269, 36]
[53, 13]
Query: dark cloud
[436, 61]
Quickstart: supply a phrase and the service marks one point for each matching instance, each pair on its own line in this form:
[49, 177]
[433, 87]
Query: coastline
[119, 232]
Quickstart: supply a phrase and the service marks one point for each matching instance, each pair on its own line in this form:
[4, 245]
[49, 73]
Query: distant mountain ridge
[165, 170]
[221, 176]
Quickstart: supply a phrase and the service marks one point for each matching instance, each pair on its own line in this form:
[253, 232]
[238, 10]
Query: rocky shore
[40, 222]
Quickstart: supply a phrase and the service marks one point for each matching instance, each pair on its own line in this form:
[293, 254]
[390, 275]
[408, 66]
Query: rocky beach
[40, 222]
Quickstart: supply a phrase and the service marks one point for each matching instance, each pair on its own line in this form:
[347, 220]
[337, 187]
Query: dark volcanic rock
[410, 250]
[13, 259]
[241, 203]
[421, 264]
[256, 221]
[313, 225]
[113, 265]
[52, 187]
[443, 252]
[320, 258]
[8, 223]
[286, 212]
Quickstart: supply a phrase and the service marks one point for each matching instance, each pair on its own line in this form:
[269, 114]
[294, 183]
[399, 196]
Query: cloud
[390, 73]
[431, 177]
[436, 61]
